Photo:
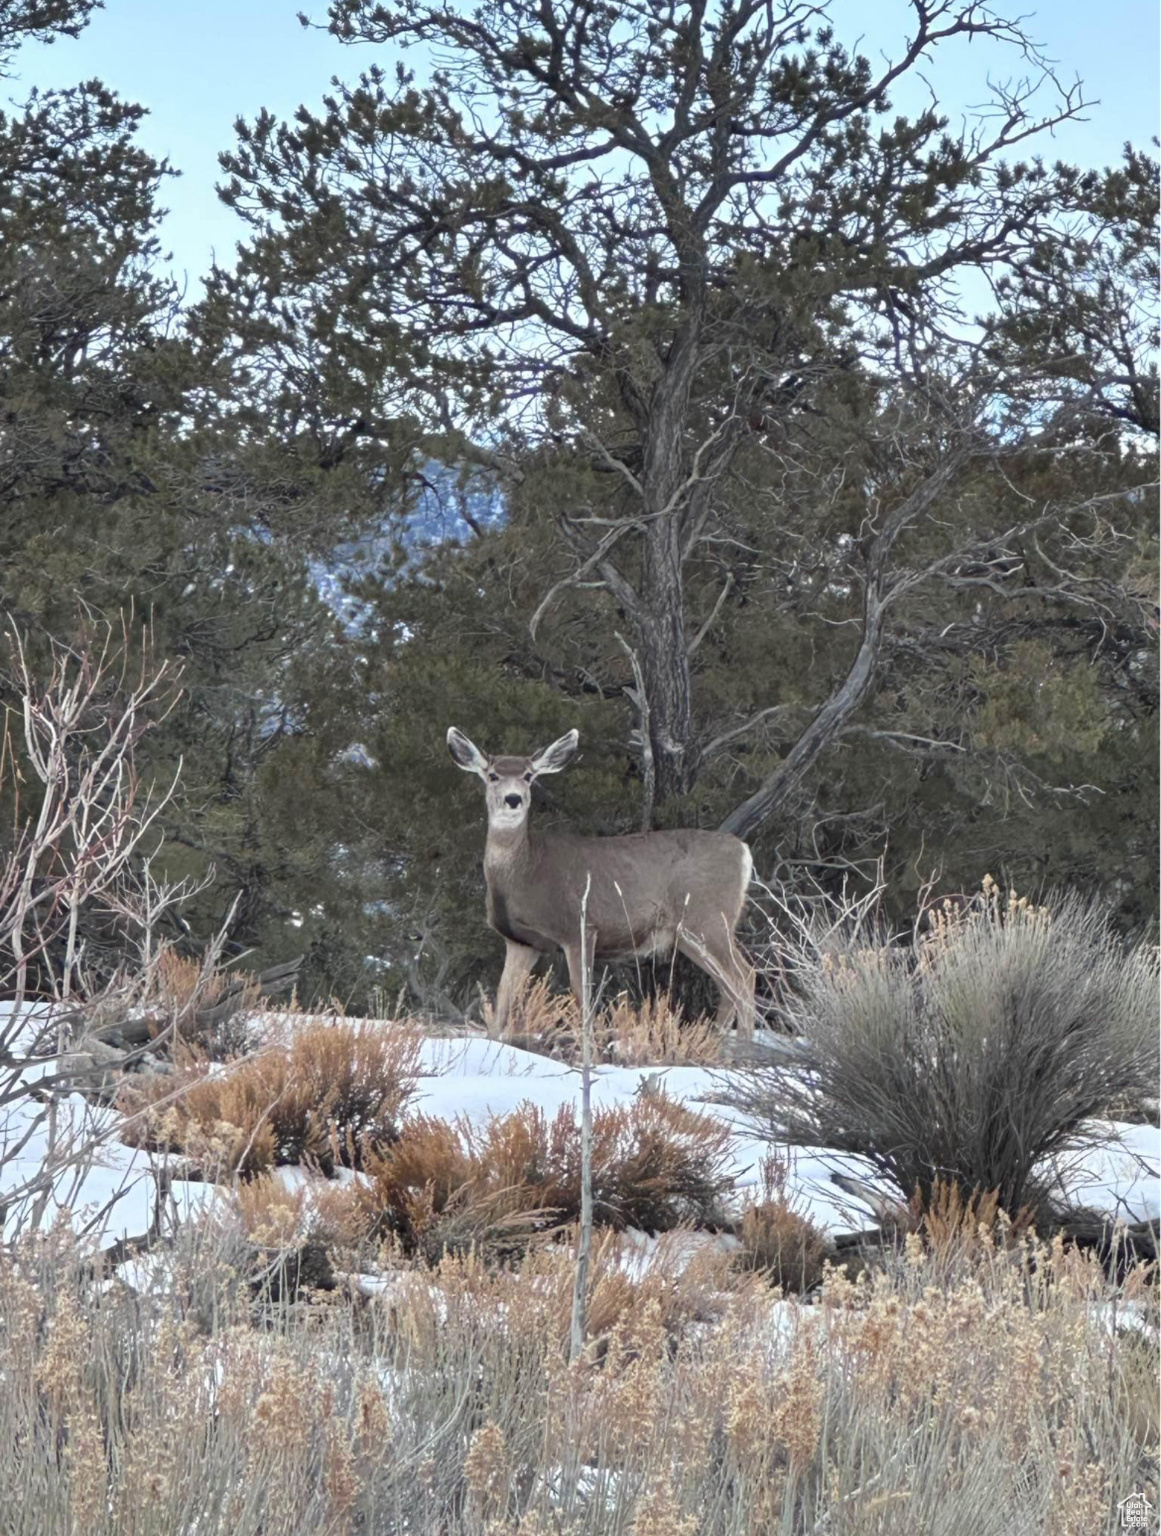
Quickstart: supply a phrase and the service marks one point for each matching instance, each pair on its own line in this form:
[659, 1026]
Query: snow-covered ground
[478, 1078]
[108, 1188]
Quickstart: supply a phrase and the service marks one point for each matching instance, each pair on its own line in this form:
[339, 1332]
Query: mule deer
[650, 893]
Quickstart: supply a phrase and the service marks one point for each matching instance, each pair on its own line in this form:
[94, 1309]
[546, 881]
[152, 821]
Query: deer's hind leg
[717, 953]
[578, 963]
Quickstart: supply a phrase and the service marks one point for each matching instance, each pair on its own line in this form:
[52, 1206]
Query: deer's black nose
[513, 800]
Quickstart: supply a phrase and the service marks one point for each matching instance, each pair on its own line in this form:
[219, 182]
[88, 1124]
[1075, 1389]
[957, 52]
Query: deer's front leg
[518, 962]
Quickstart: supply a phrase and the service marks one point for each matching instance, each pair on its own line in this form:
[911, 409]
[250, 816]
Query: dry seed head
[84, 1456]
[340, 1474]
[636, 1403]
[839, 1291]
[487, 1468]
[533, 1524]
[58, 1370]
[1081, 1501]
[20, 1309]
[796, 1420]
[373, 1417]
[747, 1417]
[282, 1414]
[657, 1512]
[241, 1371]
[272, 1215]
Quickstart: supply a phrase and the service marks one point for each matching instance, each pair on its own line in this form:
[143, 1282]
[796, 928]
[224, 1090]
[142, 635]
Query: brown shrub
[779, 1240]
[656, 1165]
[330, 1095]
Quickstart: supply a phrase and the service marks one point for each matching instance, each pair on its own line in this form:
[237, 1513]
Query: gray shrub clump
[972, 1055]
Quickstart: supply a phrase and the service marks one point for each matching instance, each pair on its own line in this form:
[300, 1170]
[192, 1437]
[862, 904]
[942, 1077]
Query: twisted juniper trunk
[664, 660]
[661, 618]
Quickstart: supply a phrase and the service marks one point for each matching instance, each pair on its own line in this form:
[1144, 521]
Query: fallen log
[1119, 1245]
[892, 1215]
[147, 1027]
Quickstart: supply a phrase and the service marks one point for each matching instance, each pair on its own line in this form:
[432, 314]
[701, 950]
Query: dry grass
[656, 1033]
[540, 1018]
[270, 1214]
[1000, 1400]
[329, 1095]
[650, 1033]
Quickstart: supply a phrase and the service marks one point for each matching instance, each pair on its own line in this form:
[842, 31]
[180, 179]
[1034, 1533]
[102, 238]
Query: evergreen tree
[646, 234]
[800, 548]
[803, 549]
[128, 487]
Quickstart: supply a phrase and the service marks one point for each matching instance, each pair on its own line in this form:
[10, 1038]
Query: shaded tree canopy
[823, 431]
[126, 488]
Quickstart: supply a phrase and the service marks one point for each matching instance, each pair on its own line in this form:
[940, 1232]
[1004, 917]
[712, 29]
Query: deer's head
[508, 781]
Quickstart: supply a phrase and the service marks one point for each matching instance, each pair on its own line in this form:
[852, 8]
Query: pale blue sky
[198, 66]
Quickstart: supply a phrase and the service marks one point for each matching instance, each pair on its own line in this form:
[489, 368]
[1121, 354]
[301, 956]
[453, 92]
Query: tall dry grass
[997, 1398]
[651, 1032]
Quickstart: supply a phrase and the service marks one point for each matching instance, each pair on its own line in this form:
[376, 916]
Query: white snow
[108, 1188]
[1120, 1176]
[101, 1182]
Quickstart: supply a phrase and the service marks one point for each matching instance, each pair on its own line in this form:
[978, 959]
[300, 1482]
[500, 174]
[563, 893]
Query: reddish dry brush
[778, 1239]
[448, 1185]
[329, 1095]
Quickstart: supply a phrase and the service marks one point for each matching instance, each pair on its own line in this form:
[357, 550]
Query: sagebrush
[976, 1054]
[1003, 1398]
[329, 1094]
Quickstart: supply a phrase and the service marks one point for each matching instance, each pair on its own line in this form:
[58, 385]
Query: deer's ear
[467, 755]
[552, 759]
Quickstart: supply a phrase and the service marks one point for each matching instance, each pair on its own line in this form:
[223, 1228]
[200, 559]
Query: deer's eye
[528, 778]
[493, 778]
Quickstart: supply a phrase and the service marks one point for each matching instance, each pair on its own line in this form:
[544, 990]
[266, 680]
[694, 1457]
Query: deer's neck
[506, 852]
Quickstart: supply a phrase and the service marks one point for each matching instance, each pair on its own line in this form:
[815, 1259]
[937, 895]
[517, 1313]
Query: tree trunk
[661, 615]
[749, 817]
[664, 659]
